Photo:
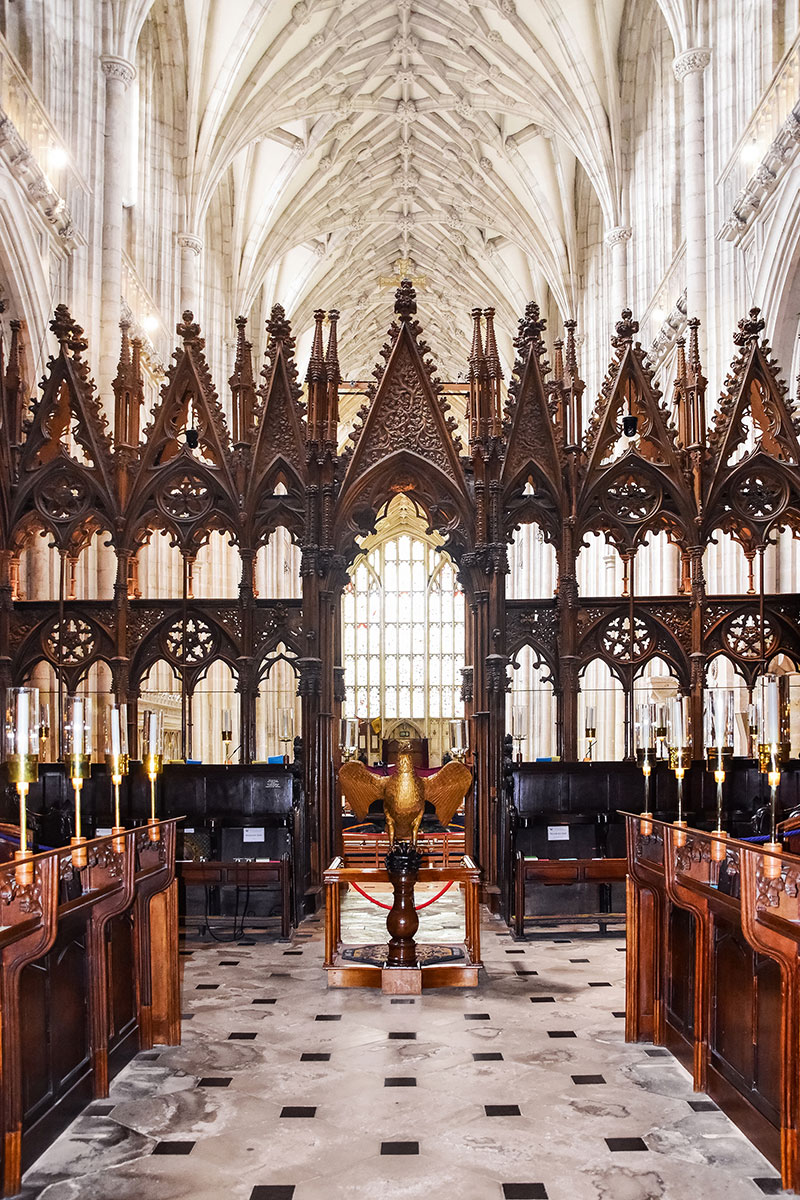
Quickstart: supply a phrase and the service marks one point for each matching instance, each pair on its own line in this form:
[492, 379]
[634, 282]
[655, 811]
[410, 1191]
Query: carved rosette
[690, 62]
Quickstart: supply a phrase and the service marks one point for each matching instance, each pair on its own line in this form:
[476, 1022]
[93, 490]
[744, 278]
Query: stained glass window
[403, 627]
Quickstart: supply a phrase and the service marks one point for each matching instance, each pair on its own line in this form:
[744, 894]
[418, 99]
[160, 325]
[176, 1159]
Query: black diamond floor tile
[400, 1081]
[206, 987]
[328, 1017]
[502, 1110]
[402, 1037]
[273, 1191]
[272, 1000]
[315, 1057]
[524, 1191]
[657, 1053]
[526, 972]
[173, 1147]
[618, 1014]
[588, 1079]
[215, 1081]
[298, 1110]
[488, 1056]
[477, 1017]
[242, 1037]
[578, 960]
[399, 1147]
[620, 1144]
[228, 962]
[561, 1033]
[770, 1185]
[543, 999]
[100, 1110]
[703, 1105]
[402, 1000]
[600, 984]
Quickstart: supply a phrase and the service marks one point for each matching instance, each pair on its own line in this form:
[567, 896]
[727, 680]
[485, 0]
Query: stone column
[119, 73]
[190, 245]
[689, 68]
[617, 240]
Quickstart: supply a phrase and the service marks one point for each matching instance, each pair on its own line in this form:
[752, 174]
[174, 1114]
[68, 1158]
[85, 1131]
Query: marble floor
[522, 1088]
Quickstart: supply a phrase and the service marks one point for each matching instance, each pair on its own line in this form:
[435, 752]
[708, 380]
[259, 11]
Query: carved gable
[280, 430]
[531, 445]
[405, 415]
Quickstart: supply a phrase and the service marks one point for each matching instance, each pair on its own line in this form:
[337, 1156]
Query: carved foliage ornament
[198, 645]
[406, 423]
[64, 497]
[743, 635]
[759, 496]
[632, 498]
[186, 498]
[618, 643]
[70, 641]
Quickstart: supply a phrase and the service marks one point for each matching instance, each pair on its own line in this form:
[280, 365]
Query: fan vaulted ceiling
[338, 143]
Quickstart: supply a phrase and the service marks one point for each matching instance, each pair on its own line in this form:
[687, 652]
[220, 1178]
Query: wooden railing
[88, 976]
[712, 972]
[443, 848]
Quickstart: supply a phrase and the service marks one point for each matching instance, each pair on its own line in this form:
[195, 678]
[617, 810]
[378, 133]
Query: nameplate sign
[253, 833]
[558, 833]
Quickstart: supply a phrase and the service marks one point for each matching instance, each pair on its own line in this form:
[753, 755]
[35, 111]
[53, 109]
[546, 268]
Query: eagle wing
[360, 787]
[446, 790]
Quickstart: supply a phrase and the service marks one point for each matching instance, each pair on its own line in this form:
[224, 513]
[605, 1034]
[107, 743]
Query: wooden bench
[549, 872]
[245, 874]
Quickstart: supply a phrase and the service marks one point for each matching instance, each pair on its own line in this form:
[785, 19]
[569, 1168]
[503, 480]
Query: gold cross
[403, 269]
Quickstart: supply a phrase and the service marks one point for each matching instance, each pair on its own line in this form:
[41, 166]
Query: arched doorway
[403, 635]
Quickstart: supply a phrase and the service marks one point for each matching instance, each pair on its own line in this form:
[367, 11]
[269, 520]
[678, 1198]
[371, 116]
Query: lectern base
[401, 981]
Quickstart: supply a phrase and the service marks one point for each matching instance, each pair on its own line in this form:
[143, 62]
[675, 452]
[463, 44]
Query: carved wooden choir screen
[276, 464]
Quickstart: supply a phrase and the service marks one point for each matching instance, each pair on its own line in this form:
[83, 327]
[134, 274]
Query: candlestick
[117, 761]
[518, 722]
[153, 760]
[718, 736]
[22, 757]
[459, 739]
[678, 738]
[590, 731]
[286, 725]
[645, 739]
[348, 743]
[78, 747]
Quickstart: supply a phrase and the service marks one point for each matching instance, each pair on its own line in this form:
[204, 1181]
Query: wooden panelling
[76, 979]
[724, 954]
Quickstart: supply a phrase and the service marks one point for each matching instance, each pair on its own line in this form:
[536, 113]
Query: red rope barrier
[432, 900]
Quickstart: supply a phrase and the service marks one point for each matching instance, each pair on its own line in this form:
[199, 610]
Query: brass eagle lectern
[404, 794]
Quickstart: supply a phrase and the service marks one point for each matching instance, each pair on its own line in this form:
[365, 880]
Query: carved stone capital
[620, 233]
[114, 67]
[691, 61]
[190, 241]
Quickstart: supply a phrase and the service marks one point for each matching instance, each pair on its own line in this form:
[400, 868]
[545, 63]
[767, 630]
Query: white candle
[23, 723]
[77, 726]
[116, 738]
[772, 717]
